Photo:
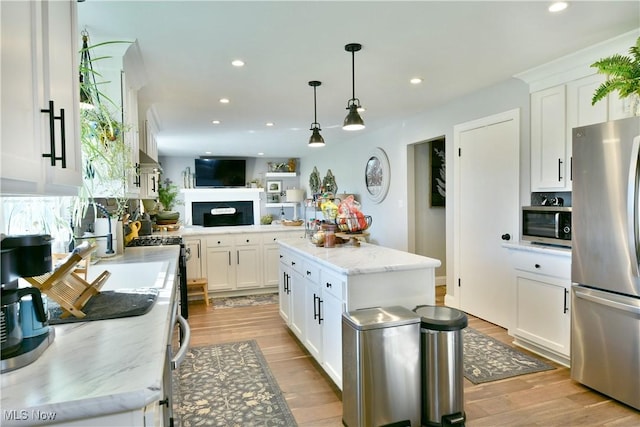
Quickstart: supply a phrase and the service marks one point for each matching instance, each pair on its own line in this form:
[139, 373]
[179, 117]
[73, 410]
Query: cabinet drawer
[332, 283]
[247, 239]
[311, 271]
[547, 264]
[220, 240]
[272, 238]
[291, 260]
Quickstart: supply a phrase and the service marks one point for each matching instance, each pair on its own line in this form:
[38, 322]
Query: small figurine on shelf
[291, 164]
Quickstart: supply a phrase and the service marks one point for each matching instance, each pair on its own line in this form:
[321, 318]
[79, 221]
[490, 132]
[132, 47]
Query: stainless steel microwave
[549, 225]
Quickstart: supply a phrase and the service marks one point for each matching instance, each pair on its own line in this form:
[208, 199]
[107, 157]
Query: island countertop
[364, 259]
[101, 367]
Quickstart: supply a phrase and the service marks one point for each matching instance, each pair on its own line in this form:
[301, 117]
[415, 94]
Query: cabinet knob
[308, 273]
[328, 285]
[506, 236]
[247, 240]
[537, 266]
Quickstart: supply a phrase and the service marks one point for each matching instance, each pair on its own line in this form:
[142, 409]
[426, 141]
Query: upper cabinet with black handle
[40, 98]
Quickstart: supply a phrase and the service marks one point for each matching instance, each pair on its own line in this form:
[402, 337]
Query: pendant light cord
[353, 75]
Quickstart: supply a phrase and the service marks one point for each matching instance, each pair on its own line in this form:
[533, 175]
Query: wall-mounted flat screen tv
[212, 172]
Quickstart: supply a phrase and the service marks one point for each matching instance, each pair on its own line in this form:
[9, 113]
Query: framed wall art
[438, 174]
[377, 175]
[274, 187]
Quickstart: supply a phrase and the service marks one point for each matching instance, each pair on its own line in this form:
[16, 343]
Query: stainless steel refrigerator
[605, 320]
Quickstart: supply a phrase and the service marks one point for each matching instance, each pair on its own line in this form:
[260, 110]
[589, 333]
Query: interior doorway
[427, 215]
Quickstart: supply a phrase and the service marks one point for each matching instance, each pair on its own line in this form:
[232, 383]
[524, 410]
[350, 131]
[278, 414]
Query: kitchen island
[106, 372]
[318, 284]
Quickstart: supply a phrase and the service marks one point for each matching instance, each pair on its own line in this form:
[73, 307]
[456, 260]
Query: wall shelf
[280, 174]
[278, 205]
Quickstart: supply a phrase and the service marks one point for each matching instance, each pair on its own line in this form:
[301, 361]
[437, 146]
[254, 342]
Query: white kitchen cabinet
[148, 142]
[220, 269]
[549, 140]
[271, 255]
[313, 310]
[542, 321]
[233, 262]
[40, 98]
[284, 291]
[195, 260]
[150, 179]
[333, 303]
[131, 137]
[343, 279]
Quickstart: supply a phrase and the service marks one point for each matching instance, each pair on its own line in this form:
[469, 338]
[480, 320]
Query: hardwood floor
[547, 398]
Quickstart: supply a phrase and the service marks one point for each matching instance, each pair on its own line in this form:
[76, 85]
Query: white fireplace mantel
[192, 195]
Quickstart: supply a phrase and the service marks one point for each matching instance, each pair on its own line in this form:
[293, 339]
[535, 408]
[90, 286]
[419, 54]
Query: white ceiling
[457, 47]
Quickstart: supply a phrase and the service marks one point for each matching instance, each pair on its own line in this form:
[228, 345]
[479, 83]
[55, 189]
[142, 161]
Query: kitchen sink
[131, 275]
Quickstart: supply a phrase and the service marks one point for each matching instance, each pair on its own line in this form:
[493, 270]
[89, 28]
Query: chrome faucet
[109, 234]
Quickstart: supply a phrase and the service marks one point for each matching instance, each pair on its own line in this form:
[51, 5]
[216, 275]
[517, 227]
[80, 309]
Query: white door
[486, 208]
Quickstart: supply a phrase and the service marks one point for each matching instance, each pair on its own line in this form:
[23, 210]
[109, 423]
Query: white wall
[347, 159]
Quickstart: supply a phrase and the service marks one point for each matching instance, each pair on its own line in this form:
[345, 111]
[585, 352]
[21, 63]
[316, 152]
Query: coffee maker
[24, 331]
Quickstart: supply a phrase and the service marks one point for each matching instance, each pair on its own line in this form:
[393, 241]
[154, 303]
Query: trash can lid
[380, 317]
[440, 318]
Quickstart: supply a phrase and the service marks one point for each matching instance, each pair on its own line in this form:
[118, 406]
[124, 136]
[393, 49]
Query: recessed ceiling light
[269, 124]
[237, 63]
[558, 6]
[207, 152]
[224, 100]
[415, 81]
[260, 154]
[216, 122]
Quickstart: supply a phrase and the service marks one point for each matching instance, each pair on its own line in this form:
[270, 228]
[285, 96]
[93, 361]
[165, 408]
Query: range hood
[147, 164]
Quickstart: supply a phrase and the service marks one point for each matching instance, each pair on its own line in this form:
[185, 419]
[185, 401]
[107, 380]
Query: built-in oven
[549, 225]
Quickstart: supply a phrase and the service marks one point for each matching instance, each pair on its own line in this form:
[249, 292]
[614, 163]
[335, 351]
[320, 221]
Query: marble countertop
[364, 259]
[197, 230]
[101, 367]
[541, 249]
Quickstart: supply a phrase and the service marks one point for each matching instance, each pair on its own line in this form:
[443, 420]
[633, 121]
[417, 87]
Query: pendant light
[353, 121]
[87, 76]
[316, 139]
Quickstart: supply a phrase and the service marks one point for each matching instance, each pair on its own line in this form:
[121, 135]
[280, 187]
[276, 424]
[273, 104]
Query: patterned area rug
[245, 301]
[228, 385]
[487, 359]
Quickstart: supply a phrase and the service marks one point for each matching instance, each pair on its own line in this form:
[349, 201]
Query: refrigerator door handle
[610, 303]
[632, 206]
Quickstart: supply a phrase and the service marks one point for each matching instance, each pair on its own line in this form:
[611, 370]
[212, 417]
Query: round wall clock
[377, 174]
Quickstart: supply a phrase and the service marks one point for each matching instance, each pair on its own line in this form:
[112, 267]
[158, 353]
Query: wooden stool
[199, 285]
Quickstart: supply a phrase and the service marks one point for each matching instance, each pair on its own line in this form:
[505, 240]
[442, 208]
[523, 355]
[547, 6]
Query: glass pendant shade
[353, 121]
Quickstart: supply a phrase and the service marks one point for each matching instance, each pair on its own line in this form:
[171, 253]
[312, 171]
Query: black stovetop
[155, 240]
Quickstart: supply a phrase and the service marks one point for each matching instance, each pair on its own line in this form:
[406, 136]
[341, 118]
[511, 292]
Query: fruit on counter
[266, 219]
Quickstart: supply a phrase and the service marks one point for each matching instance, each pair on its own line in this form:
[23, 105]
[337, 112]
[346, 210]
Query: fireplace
[200, 201]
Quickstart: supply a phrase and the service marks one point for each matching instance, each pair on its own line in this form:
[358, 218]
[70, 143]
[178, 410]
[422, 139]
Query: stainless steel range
[159, 240]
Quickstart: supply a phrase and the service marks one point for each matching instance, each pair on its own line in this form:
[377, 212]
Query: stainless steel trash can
[442, 365]
[381, 367]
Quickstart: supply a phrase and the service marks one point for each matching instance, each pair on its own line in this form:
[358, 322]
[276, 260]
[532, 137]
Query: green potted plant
[623, 76]
[168, 199]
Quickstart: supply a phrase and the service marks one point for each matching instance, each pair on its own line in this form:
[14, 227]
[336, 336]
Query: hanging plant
[106, 158]
[623, 74]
